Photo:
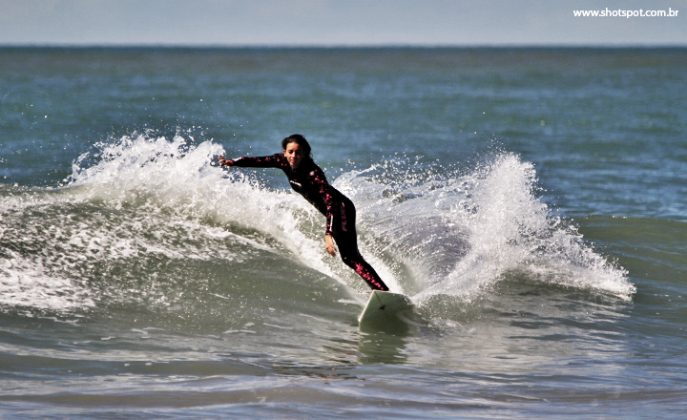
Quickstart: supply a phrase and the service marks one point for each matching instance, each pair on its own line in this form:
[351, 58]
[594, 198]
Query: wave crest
[147, 202]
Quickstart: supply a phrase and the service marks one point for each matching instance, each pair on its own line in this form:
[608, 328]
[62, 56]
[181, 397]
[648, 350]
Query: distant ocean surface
[531, 202]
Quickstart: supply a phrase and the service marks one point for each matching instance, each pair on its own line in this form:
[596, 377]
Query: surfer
[307, 179]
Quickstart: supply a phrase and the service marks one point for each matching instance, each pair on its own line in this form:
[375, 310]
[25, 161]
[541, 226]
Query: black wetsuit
[309, 181]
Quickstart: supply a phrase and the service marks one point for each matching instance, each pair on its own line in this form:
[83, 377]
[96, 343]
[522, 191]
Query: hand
[225, 162]
[329, 245]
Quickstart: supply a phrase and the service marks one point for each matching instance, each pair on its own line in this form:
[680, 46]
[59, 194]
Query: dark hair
[299, 140]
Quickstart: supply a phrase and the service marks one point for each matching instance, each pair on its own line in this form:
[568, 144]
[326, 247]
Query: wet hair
[299, 140]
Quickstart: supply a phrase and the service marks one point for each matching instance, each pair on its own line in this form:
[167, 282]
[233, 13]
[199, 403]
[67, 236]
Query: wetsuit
[309, 181]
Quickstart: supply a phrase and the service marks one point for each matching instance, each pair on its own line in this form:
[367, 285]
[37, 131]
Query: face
[293, 154]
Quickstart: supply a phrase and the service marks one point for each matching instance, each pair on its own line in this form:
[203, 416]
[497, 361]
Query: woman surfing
[307, 179]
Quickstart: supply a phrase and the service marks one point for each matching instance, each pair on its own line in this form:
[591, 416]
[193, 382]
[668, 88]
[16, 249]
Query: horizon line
[338, 45]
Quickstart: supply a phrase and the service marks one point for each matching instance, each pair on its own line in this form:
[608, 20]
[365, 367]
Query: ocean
[532, 203]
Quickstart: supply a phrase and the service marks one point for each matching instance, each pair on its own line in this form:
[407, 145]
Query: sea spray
[459, 233]
[176, 176]
[428, 230]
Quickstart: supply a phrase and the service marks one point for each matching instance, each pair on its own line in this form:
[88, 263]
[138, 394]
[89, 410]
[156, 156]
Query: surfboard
[385, 307]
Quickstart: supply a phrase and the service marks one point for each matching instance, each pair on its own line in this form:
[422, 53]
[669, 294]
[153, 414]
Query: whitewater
[430, 231]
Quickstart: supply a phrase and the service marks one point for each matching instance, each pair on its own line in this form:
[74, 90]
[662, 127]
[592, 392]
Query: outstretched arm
[272, 161]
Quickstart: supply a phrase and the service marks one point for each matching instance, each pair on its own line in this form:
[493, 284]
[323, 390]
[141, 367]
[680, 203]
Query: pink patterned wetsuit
[309, 181]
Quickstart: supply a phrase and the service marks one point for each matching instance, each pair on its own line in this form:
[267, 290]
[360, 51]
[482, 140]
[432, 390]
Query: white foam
[426, 231]
[173, 175]
[24, 282]
[460, 234]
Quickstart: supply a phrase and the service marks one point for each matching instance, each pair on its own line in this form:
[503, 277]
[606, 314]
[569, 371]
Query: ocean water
[531, 202]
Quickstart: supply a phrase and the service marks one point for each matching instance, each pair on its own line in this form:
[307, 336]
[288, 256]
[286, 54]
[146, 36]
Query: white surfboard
[385, 306]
